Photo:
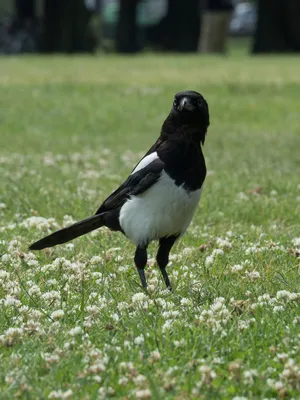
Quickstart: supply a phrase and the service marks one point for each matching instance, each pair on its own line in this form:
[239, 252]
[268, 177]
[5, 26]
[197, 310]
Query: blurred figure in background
[215, 26]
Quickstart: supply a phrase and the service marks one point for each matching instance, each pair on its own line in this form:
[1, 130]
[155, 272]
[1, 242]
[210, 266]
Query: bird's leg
[140, 259]
[162, 258]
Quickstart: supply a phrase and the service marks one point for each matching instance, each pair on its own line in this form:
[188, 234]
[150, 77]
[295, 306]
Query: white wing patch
[145, 161]
[164, 209]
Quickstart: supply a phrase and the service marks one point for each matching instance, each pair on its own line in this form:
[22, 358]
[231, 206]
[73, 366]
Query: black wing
[137, 183]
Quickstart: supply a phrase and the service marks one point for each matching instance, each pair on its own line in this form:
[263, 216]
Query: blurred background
[132, 26]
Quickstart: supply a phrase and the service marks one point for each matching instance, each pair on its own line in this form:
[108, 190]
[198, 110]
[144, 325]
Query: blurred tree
[179, 29]
[278, 26]
[66, 27]
[25, 9]
[127, 29]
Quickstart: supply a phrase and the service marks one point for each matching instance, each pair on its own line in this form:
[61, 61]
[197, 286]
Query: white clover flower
[264, 299]
[249, 376]
[151, 288]
[113, 250]
[282, 356]
[96, 260]
[170, 314]
[57, 314]
[239, 398]
[187, 250]
[143, 394]
[123, 381]
[75, 331]
[40, 223]
[13, 245]
[34, 290]
[223, 243]
[278, 385]
[140, 380]
[52, 295]
[2, 206]
[92, 310]
[122, 305]
[296, 321]
[167, 325]
[68, 220]
[294, 296]
[139, 340]
[296, 242]
[242, 196]
[291, 372]
[208, 375]
[11, 336]
[4, 275]
[139, 297]
[59, 394]
[179, 343]
[11, 301]
[52, 282]
[236, 268]
[217, 304]
[51, 358]
[97, 367]
[283, 294]
[243, 325]
[209, 260]
[115, 317]
[155, 356]
[217, 252]
[185, 302]
[32, 263]
[252, 250]
[10, 227]
[253, 276]
[33, 327]
[278, 308]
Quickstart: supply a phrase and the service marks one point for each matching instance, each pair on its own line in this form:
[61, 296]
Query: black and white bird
[159, 198]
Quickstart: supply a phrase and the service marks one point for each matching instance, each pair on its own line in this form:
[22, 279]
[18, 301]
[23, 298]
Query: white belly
[163, 210]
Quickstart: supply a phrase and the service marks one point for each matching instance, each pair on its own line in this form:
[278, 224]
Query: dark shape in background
[278, 26]
[66, 27]
[179, 29]
[127, 29]
[25, 10]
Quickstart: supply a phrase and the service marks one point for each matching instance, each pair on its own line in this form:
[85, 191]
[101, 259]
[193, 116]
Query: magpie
[159, 198]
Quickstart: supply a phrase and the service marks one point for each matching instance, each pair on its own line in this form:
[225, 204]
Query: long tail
[71, 232]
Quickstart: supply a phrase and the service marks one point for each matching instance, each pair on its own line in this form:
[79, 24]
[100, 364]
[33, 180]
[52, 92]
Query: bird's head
[191, 109]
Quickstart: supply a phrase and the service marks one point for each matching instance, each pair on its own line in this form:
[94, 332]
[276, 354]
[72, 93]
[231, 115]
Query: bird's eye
[199, 103]
[175, 103]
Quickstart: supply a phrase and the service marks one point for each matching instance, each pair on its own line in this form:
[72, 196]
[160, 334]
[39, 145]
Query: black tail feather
[71, 232]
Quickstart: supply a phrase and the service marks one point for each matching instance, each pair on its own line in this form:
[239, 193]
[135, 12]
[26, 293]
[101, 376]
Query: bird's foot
[141, 272]
[166, 279]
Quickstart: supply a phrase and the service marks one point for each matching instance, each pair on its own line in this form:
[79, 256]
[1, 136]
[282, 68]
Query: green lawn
[74, 321]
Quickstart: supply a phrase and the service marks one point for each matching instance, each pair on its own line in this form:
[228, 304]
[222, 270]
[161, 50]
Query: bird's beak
[185, 104]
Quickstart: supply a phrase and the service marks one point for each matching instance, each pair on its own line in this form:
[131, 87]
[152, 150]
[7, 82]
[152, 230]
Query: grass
[74, 322]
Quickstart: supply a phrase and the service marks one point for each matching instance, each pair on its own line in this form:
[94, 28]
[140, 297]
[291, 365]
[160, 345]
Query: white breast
[163, 210]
